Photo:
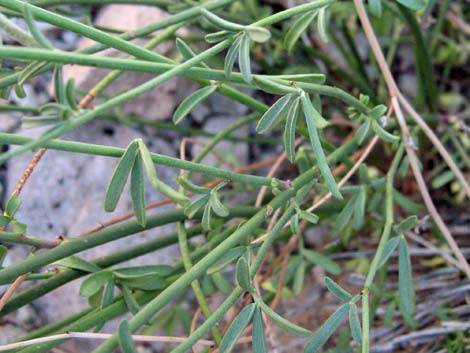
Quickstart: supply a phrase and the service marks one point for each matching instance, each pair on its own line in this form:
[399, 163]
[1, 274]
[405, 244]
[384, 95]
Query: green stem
[49, 3]
[16, 32]
[113, 102]
[14, 238]
[74, 246]
[98, 150]
[380, 249]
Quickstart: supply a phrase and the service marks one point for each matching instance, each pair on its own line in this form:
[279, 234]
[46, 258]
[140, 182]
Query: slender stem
[380, 249]
[99, 150]
[14, 238]
[16, 32]
[114, 102]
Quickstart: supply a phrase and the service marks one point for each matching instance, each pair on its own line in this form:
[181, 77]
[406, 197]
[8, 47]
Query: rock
[157, 104]
[225, 106]
[65, 195]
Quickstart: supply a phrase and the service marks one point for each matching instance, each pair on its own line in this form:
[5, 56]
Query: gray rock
[225, 106]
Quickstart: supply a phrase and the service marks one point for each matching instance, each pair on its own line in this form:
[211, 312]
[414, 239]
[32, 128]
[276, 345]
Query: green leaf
[320, 122]
[310, 113]
[70, 94]
[136, 271]
[152, 175]
[297, 28]
[192, 101]
[137, 191]
[119, 178]
[413, 4]
[19, 91]
[309, 217]
[33, 28]
[13, 204]
[18, 227]
[284, 324]
[299, 278]
[327, 329]
[244, 58]
[236, 329]
[243, 274]
[206, 217]
[362, 132]
[378, 111]
[294, 224]
[336, 290]
[217, 206]
[125, 338]
[76, 263]
[289, 129]
[359, 208]
[355, 324]
[406, 225]
[345, 215]
[384, 135]
[443, 179]
[187, 52]
[322, 261]
[258, 34]
[130, 301]
[3, 253]
[194, 207]
[273, 114]
[93, 283]
[405, 280]
[59, 86]
[4, 221]
[221, 23]
[189, 186]
[108, 294]
[308, 78]
[221, 283]
[388, 250]
[259, 336]
[231, 56]
[322, 23]
[375, 7]
[273, 85]
[217, 36]
[406, 203]
[149, 282]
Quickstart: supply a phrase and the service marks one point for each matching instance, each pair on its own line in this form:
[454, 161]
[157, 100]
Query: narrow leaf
[322, 23]
[130, 301]
[284, 324]
[384, 135]
[308, 78]
[258, 34]
[94, 283]
[191, 101]
[189, 186]
[413, 4]
[217, 206]
[125, 338]
[3, 253]
[345, 215]
[327, 329]
[299, 278]
[244, 58]
[187, 52]
[217, 36]
[405, 280]
[119, 178]
[236, 329]
[309, 112]
[336, 290]
[33, 28]
[259, 336]
[273, 85]
[137, 191]
[322, 261]
[108, 294]
[206, 217]
[13, 204]
[243, 274]
[355, 324]
[273, 114]
[231, 56]
[375, 7]
[406, 225]
[76, 263]
[289, 129]
[152, 175]
[297, 28]
[221, 23]
[309, 217]
[388, 250]
[362, 132]
[194, 207]
[359, 208]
